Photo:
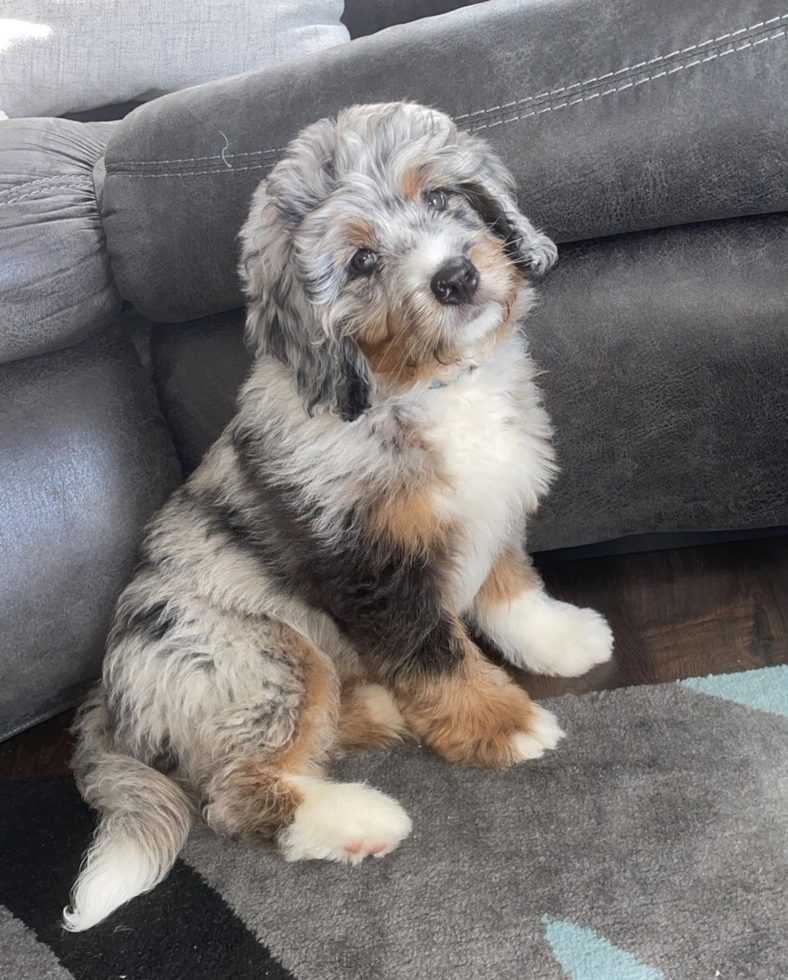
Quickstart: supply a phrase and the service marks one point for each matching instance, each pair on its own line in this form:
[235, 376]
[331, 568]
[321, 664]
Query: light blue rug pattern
[584, 955]
[652, 845]
[765, 689]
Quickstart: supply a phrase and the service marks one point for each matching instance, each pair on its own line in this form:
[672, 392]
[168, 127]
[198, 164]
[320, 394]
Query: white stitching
[491, 109]
[217, 156]
[621, 71]
[53, 179]
[620, 88]
[73, 182]
[195, 173]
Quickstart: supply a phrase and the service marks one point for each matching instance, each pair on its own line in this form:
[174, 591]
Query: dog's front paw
[562, 639]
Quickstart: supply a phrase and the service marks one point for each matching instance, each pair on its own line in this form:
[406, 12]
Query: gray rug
[652, 844]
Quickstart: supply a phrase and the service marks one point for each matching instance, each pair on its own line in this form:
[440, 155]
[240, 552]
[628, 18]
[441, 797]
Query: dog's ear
[330, 370]
[491, 192]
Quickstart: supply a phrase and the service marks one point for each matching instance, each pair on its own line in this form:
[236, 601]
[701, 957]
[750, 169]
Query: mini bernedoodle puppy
[311, 587]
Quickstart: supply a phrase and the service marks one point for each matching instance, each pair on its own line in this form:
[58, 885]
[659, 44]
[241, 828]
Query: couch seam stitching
[216, 156]
[621, 88]
[73, 182]
[596, 79]
[475, 129]
[52, 179]
[191, 173]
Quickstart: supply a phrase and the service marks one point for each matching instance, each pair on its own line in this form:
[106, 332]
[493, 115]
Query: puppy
[310, 588]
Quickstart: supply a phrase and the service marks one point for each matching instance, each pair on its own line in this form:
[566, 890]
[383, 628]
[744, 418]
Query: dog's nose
[455, 283]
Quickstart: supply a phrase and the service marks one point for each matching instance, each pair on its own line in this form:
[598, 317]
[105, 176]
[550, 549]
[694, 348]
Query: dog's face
[383, 247]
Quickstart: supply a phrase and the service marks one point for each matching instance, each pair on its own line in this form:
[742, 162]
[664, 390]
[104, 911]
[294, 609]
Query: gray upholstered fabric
[85, 461]
[55, 282]
[665, 349]
[666, 376]
[198, 368]
[364, 17]
[71, 55]
[613, 118]
[667, 380]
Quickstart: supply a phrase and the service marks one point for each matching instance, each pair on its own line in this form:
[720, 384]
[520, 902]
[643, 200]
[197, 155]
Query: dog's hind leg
[284, 795]
[368, 716]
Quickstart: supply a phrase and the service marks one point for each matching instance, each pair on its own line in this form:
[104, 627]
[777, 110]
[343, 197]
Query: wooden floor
[681, 613]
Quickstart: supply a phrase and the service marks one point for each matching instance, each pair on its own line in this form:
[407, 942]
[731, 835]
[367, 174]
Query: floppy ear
[491, 192]
[330, 371]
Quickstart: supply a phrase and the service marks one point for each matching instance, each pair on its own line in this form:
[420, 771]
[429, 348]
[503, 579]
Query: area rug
[652, 845]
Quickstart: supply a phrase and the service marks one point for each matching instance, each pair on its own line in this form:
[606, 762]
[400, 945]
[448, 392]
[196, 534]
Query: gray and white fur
[311, 587]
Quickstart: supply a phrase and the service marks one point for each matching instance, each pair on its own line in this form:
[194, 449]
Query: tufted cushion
[55, 282]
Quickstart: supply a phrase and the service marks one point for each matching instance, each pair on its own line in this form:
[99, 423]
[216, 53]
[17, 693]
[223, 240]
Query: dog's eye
[436, 201]
[364, 262]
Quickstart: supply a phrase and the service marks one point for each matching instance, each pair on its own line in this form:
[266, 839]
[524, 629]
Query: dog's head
[384, 246]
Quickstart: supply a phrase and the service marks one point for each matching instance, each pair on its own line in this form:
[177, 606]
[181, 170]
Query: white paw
[574, 640]
[343, 822]
[550, 637]
[544, 734]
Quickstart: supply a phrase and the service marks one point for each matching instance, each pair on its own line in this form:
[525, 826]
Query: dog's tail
[144, 821]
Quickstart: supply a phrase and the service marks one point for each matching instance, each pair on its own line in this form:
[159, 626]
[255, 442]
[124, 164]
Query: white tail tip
[114, 872]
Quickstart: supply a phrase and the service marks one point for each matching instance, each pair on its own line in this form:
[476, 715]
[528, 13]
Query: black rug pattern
[182, 930]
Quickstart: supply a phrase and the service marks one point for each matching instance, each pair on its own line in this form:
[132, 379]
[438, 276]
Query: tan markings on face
[497, 272]
[395, 353]
[250, 799]
[384, 339]
[471, 717]
[368, 716]
[509, 577]
[413, 183]
[361, 234]
[402, 353]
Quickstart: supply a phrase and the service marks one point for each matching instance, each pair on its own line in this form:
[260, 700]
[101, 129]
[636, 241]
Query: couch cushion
[666, 376]
[666, 357]
[72, 55]
[86, 459]
[363, 17]
[55, 282]
[198, 368]
[614, 117]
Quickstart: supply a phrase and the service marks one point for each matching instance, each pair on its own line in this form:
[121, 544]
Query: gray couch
[650, 139]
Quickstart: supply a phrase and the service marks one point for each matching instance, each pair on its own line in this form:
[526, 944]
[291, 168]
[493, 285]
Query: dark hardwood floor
[680, 613]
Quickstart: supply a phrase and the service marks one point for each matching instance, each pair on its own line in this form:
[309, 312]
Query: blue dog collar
[437, 383]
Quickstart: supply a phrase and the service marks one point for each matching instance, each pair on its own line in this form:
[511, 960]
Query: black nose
[455, 283]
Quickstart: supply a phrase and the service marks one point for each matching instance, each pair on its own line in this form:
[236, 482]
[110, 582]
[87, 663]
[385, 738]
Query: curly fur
[309, 587]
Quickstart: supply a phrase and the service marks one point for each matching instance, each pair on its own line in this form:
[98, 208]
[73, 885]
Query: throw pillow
[60, 56]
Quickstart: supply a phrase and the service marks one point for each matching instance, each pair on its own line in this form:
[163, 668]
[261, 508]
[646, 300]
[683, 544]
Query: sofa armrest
[363, 17]
[646, 115]
[55, 282]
